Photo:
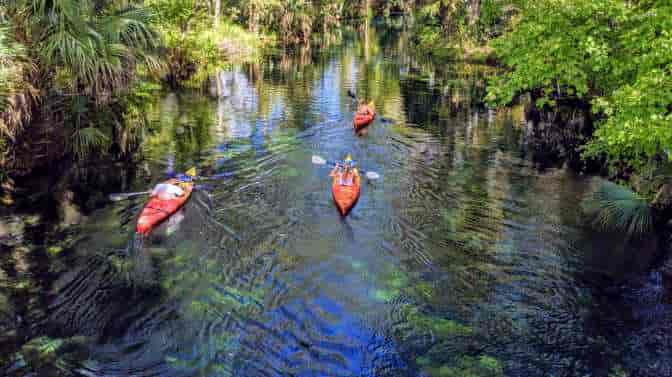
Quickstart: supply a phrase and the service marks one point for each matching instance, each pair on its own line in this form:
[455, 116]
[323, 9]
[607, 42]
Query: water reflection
[463, 259]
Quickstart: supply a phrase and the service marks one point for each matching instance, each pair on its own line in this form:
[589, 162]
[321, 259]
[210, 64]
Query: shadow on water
[461, 260]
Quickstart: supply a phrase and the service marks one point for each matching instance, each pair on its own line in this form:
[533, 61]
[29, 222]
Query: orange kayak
[156, 210]
[363, 117]
[345, 197]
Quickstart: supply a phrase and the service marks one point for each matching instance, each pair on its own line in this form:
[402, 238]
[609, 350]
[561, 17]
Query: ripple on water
[461, 251]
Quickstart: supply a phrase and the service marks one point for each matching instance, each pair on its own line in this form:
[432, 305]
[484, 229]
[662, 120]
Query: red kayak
[345, 197]
[364, 116]
[156, 210]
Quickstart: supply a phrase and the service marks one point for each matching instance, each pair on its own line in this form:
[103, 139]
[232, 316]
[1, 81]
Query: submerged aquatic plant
[466, 366]
[618, 208]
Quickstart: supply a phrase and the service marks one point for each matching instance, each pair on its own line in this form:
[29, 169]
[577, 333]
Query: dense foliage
[451, 28]
[13, 68]
[294, 21]
[195, 43]
[614, 54]
[76, 68]
[88, 63]
[79, 57]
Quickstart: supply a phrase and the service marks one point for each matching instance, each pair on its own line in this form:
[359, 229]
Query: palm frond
[101, 46]
[85, 141]
[617, 208]
[16, 93]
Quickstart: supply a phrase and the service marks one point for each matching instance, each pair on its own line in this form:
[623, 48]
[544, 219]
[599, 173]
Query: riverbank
[465, 257]
[79, 86]
[596, 99]
[45, 121]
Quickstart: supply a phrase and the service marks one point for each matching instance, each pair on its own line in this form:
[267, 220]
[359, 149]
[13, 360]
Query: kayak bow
[156, 210]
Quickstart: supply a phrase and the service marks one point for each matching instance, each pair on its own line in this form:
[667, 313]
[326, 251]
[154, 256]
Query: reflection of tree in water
[456, 228]
[500, 267]
[237, 103]
[431, 93]
[475, 261]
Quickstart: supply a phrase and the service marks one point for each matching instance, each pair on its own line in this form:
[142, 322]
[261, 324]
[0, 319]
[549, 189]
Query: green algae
[54, 250]
[291, 172]
[467, 366]
[423, 290]
[384, 295]
[618, 371]
[440, 327]
[356, 264]
[43, 355]
[395, 282]
[43, 346]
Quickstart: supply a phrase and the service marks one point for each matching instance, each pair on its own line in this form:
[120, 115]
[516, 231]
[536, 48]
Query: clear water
[463, 259]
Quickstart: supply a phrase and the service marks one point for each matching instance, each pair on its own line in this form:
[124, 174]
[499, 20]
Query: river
[465, 258]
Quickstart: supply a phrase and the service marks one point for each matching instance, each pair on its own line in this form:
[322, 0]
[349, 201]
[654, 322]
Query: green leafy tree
[180, 22]
[614, 54]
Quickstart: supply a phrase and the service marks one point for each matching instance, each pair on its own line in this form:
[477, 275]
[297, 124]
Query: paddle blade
[128, 195]
[317, 160]
[117, 197]
[372, 175]
[191, 172]
[219, 176]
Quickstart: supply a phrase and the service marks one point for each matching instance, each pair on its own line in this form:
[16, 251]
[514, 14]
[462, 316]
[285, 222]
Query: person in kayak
[169, 191]
[344, 171]
[364, 109]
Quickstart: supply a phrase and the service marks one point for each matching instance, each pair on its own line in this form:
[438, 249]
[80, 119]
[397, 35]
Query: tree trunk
[474, 12]
[218, 9]
[443, 15]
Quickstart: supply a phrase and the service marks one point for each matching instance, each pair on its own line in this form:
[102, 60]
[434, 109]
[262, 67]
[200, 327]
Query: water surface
[464, 259]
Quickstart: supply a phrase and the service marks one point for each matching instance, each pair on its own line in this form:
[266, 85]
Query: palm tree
[95, 45]
[617, 208]
[88, 51]
[17, 93]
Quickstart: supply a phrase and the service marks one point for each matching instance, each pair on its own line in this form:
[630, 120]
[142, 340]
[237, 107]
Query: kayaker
[167, 191]
[344, 171]
[364, 108]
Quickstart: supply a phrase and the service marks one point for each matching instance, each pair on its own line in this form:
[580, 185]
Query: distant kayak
[157, 210]
[364, 116]
[346, 196]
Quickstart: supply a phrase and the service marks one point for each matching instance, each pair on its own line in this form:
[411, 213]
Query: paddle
[354, 96]
[317, 160]
[215, 176]
[123, 196]
[192, 173]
